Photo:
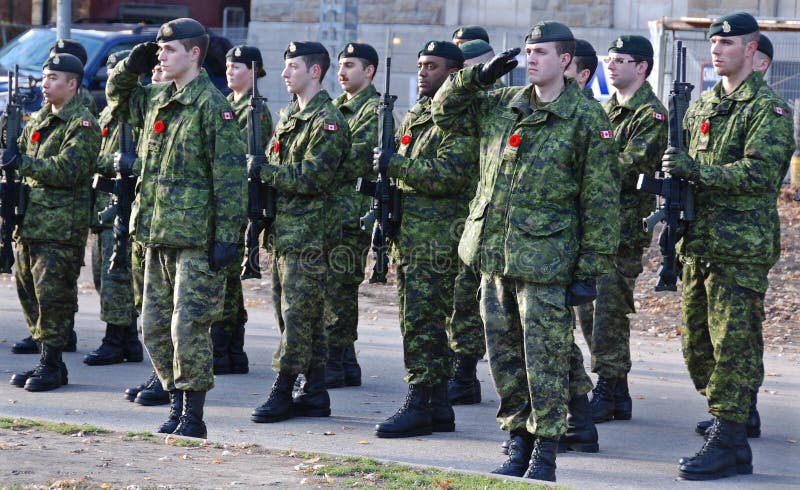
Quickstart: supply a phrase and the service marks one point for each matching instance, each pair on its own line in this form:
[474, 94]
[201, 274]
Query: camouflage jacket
[432, 167]
[640, 130]
[240, 109]
[87, 99]
[546, 209]
[59, 156]
[307, 148]
[362, 118]
[192, 187]
[742, 142]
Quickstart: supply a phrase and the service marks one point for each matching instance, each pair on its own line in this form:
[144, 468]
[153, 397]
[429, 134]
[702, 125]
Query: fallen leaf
[215, 461]
[105, 485]
[185, 456]
[363, 442]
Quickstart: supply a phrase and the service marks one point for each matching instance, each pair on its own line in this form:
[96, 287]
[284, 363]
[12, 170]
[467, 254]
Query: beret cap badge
[726, 27]
[238, 52]
[292, 47]
[619, 42]
[166, 30]
[431, 46]
[536, 33]
[350, 48]
[56, 60]
[460, 32]
[61, 44]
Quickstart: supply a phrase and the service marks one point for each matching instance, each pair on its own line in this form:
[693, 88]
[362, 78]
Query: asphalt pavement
[640, 453]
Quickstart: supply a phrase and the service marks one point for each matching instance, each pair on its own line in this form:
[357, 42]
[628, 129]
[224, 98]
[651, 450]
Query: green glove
[678, 163]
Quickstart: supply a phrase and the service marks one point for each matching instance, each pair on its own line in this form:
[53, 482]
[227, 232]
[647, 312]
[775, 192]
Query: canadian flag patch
[778, 110]
[331, 126]
[87, 124]
[227, 116]
[606, 134]
[659, 116]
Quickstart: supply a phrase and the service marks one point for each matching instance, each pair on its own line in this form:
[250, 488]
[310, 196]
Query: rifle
[123, 187]
[674, 197]
[385, 212]
[9, 184]
[260, 196]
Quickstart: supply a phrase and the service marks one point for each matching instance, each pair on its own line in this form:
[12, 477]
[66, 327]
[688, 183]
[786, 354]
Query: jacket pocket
[48, 211]
[470, 243]
[181, 216]
[541, 245]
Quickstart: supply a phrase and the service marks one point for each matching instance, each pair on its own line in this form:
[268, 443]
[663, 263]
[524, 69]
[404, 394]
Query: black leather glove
[223, 254]
[9, 160]
[254, 164]
[143, 58]
[123, 163]
[380, 159]
[581, 292]
[498, 66]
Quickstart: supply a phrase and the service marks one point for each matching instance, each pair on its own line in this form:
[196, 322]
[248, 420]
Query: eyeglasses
[618, 61]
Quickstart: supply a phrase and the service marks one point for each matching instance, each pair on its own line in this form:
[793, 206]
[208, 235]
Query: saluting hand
[142, 59]
[498, 66]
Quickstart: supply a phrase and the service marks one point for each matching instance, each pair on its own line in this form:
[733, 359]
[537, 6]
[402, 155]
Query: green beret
[765, 46]
[303, 48]
[549, 31]
[360, 50]
[632, 45]
[475, 48]
[115, 58]
[442, 49]
[64, 62]
[178, 29]
[735, 24]
[468, 33]
[584, 48]
[69, 46]
[247, 55]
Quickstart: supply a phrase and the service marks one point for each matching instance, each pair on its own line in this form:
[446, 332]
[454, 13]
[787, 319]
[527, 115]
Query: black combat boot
[131, 346]
[221, 341]
[153, 394]
[717, 458]
[19, 379]
[191, 423]
[334, 369]
[464, 388]
[50, 372]
[352, 371]
[413, 418]
[543, 460]
[520, 447]
[175, 412]
[312, 399]
[752, 426]
[25, 346]
[623, 405]
[504, 446]
[72, 337]
[130, 393]
[741, 449]
[443, 419]
[602, 404]
[279, 402]
[239, 362]
[110, 350]
[581, 433]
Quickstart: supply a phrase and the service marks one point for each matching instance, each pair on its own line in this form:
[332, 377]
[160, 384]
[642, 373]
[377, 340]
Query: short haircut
[639, 59]
[567, 47]
[586, 63]
[199, 41]
[74, 76]
[323, 60]
[751, 37]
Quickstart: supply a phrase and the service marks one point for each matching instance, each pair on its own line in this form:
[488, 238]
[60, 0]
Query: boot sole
[312, 412]
[744, 469]
[472, 400]
[270, 418]
[399, 435]
[36, 388]
[352, 382]
[23, 351]
[579, 447]
[730, 471]
[151, 402]
[623, 415]
[130, 397]
[444, 427]
[103, 362]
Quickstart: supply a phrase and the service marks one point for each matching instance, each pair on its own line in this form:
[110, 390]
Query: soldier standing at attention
[76, 49]
[431, 167]
[56, 158]
[739, 140]
[639, 120]
[542, 227]
[121, 341]
[582, 69]
[227, 334]
[304, 158]
[359, 102]
[189, 212]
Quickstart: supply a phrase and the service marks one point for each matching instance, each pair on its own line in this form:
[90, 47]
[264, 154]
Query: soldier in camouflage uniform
[739, 140]
[432, 168]
[227, 334]
[121, 341]
[359, 102]
[543, 225]
[640, 131]
[582, 69]
[76, 49]
[310, 142]
[189, 212]
[465, 34]
[56, 157]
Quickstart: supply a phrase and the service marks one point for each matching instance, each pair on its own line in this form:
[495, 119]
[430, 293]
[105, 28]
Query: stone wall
[375, 11]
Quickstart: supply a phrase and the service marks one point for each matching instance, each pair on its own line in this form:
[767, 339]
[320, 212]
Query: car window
[31, 49]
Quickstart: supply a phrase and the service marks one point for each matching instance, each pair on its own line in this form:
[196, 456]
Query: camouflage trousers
[298, 293]
[723, 309]
[530, 342]
[465, 327]
[137, 271]
[426, 302]
[346, 263]
[608, 330]
[115, 290]
[234, 314]
[181, 300]
[47, 285]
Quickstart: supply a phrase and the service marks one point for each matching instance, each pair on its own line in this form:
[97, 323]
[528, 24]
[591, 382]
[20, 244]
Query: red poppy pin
[104, 132]
[158, 127]
[35, 137]
[406, 139]
[275, 147]
[514, 140]
[704, 128]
